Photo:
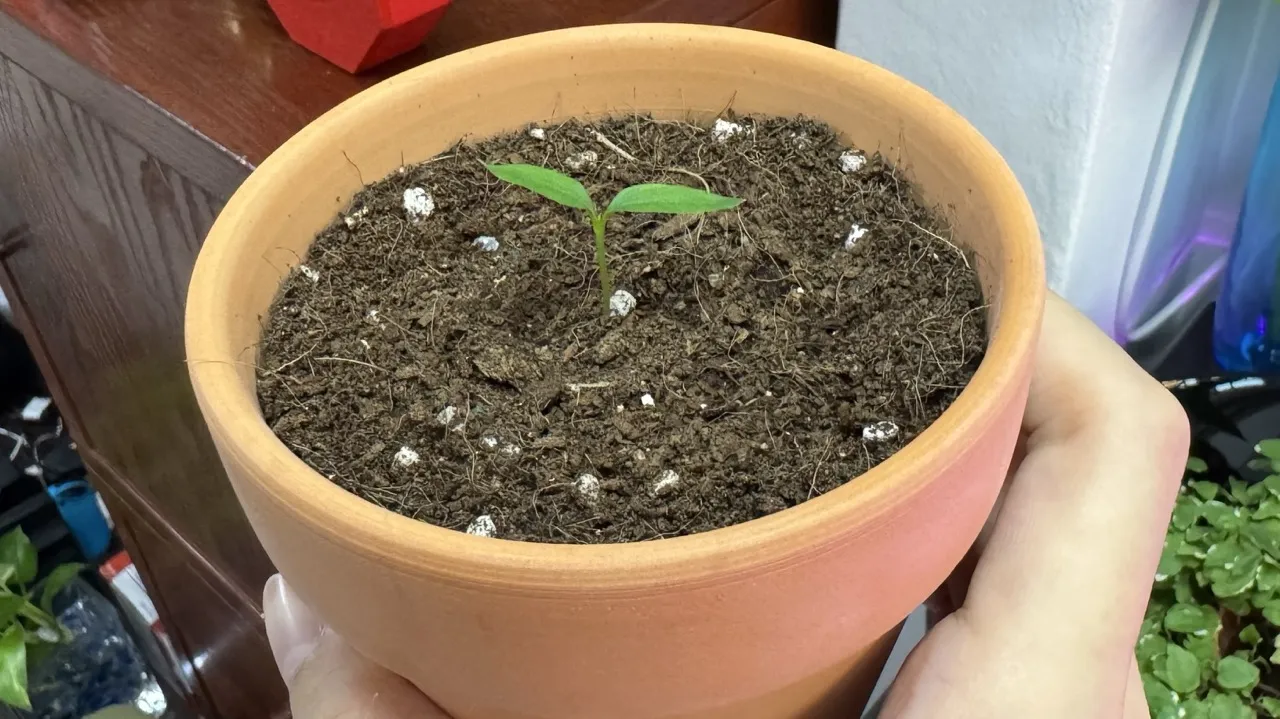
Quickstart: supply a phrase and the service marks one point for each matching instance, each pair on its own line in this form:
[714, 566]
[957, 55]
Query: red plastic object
[355, 35]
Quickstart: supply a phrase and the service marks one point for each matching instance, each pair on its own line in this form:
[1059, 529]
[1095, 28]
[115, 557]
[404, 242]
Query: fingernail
[292, 628]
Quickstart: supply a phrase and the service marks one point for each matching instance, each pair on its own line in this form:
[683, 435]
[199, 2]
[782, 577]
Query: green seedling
[649, 197]
[1209, 645]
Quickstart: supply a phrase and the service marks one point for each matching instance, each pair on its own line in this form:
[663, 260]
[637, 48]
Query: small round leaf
[1181, 670]
[1236, 674]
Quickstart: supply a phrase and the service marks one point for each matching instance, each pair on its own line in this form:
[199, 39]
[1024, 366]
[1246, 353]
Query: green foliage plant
[28, 626]
[649, 197]
[1209, 647]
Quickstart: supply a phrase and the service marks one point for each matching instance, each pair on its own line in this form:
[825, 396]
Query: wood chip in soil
[451, 384]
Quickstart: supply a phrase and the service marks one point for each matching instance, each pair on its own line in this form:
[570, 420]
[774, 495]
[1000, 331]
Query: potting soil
[441, 351]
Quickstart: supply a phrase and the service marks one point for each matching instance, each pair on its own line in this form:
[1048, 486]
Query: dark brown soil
[770, 351]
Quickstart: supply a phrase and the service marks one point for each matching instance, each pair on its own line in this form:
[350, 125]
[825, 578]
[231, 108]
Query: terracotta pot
[790, 615]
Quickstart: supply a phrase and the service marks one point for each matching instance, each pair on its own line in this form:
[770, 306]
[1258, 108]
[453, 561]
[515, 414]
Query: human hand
[327, 679]
[1046, 627]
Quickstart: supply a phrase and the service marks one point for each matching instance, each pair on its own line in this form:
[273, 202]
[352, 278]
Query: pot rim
[813, 527]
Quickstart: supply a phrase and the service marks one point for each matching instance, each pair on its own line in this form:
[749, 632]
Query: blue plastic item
[78, 504]
[1246, 324]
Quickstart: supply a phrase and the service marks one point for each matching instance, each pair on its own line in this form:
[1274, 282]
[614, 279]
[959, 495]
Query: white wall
[1072, 93]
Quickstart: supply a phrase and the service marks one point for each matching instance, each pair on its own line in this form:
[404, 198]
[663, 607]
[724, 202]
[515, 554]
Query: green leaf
[1182, 591]
[1185, 514]
[1181, 670]
[1269, 509]
[10, 605]
[1190, 618]
[1268, 578]
[1237, 575]
[670, 199]
[1220, 515]
[56, 581]
[1265, 534]
[1239, 489]
[17, 550]
[1228, 706]
[1170, 565]
[1255, 494]
[1204, 647]
[1271, 706]
[1193, 709]
[1236, 674]
[1250, 635]
[554, 186]
[1205, 490]
[1196, 534]
[1195, 465]
[1260, 463]
[13, 668]
[1159, 696]
[1222, 554]
[1271, 611]
[1269, 448]
[1149, 647]
[1272, 484]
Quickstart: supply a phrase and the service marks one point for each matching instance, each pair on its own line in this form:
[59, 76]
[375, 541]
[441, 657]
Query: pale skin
[1041, 621]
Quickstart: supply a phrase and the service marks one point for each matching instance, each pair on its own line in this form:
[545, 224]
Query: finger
[327, 679]
[1135, 699]
[292, 630]
[1067, 571]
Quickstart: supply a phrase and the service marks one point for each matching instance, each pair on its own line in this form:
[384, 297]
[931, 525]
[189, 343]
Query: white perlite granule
[723, 130]
[588, 486]
[446, 415]
[646, 399]
[667, 481]
[418, 204]
[309, 272]
[486, 243]
[579, 160]
[482, 526]
[406, 457]
[537, 133]
[852, 161]
[621, 303]
[489, 441]
[857, 232]
[354, 218]
[879, 432]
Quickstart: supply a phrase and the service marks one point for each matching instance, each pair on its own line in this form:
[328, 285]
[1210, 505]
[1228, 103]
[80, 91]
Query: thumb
[327, 679]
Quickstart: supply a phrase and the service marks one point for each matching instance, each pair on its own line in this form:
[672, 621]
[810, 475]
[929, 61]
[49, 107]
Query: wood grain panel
[135, 117]
[114, 233]
[226, 67]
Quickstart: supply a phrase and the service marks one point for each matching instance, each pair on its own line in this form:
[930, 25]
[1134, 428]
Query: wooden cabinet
[124, 127]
